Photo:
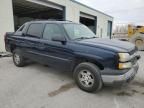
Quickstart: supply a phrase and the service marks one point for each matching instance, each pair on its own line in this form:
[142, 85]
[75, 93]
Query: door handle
[42, 46]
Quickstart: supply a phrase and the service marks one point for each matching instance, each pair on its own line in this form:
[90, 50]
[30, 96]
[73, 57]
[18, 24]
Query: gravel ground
[38, 86]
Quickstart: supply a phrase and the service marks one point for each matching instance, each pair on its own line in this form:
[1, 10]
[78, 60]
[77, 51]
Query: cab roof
[50, 21]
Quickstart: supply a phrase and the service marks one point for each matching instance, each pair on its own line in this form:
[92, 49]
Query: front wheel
[18, 59]
[87, 77]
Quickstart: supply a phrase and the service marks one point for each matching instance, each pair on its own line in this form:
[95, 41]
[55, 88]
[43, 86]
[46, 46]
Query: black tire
[95, 76]
[21, 61]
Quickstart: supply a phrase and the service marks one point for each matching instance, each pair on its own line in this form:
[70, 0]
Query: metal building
[13, 13]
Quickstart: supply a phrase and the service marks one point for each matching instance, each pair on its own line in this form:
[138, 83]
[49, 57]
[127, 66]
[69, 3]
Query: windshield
[78, 31]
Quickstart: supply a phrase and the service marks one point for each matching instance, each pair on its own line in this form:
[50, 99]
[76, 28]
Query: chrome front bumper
[120, 79]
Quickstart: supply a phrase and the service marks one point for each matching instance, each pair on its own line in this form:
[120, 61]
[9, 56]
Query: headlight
[125, 65]
[124, 57]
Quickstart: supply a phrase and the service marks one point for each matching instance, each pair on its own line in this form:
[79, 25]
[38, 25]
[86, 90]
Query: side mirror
[23, 34]
[59, 38]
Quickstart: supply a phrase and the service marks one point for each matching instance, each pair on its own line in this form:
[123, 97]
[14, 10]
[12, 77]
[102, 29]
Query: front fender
[106, 59]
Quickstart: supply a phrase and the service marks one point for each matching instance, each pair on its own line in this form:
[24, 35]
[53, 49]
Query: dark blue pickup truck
[73, 47]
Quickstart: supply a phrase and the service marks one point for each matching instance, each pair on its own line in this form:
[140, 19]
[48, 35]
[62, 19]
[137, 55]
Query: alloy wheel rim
[16, 58]
[86, 78]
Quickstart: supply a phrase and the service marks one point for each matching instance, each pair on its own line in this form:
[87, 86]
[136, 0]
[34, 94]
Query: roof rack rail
[59, 20]
[51, 20]
[39, 20]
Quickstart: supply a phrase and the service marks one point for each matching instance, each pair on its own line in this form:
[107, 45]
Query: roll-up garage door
[89, 20]
[29, 10]
[87, 16]
[47, 3]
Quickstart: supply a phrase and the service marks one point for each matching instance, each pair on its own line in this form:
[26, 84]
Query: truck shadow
[135, 87]
[115, 91]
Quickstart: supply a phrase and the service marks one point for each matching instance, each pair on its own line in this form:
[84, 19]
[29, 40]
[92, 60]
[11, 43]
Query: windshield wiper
[85, 38]
[81, 38]
[93, 37]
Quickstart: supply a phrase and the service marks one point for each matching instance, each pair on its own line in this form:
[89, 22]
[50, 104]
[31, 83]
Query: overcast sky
[123, 11]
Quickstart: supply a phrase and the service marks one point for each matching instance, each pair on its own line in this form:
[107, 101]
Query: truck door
[56, 54]
[32, 41]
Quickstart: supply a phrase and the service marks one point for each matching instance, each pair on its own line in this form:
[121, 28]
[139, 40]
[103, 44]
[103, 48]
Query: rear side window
[35, 30]
[19, 31]
[51, 30]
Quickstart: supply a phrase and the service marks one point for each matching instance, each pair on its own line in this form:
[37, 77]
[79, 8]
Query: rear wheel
[87, 77]
[18, 59]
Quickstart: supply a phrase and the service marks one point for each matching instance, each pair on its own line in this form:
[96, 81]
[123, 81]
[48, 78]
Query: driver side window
[51, 30]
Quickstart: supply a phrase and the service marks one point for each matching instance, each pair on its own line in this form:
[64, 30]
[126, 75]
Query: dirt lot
[38, 86]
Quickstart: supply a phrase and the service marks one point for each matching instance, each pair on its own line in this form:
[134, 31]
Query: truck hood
[109, 44]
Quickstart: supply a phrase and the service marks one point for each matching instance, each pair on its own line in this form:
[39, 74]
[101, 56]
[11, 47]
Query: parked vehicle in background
[73, 47]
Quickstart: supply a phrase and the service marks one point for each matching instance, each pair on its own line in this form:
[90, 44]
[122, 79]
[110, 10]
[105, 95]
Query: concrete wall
[73, 10]
[6, 21]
